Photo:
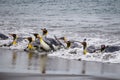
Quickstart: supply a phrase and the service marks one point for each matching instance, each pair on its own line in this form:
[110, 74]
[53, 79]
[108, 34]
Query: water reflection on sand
[34, 61]
[13, 61]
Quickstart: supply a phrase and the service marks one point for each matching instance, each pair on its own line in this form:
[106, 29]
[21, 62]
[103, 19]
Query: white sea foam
[77, 54]
[97, 21]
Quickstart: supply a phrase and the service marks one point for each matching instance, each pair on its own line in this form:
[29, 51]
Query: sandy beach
[22, 65]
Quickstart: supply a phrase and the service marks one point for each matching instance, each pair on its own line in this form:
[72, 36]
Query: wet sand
[22, 65]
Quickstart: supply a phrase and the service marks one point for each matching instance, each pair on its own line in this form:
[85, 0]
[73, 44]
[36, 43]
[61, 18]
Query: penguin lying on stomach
[103, 48]
[69, 43]
[15, 40]
[110, 49]
[3, 36]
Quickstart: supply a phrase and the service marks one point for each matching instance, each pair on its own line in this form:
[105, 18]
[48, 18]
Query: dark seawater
[83, 18]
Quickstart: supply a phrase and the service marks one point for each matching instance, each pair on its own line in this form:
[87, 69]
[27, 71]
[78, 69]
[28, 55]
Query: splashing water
[96, 20]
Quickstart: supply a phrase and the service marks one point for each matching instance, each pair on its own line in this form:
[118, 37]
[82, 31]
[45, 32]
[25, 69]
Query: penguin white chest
[45, 45]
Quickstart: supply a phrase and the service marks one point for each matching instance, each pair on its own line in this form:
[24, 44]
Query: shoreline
[21, 64]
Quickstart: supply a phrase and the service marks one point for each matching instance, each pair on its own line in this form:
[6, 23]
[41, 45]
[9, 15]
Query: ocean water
[96, 20]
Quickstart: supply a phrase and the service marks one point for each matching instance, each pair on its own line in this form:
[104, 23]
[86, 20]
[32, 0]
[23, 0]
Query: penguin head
[84, 40]
[35, 34]
[29, 39]
[68, 44]
[63, 38]
[39, 36]
[44, 31]
[29, 46]
[14, 42]
[103, 47]
[14, 36]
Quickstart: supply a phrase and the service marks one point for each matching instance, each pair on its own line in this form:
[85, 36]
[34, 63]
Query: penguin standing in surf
[55, 43]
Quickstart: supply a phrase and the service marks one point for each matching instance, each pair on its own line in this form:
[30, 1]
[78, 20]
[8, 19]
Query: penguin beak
[35, 34]
[38, 36]
[14, 36]
[30, 39]
[61, 38]
[10, 34]
[43, 29]
[25, 38]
